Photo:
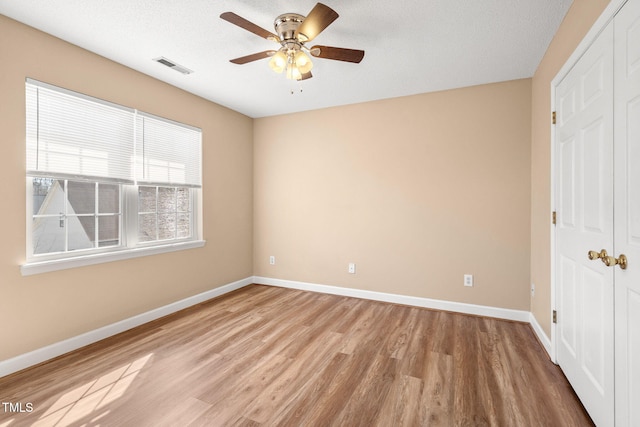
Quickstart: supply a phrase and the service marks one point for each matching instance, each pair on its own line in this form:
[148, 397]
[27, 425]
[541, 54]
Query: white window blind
[77, 136]
[69, 134]
[167, 153]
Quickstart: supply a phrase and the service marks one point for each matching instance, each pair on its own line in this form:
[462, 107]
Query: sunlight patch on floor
[86, 402]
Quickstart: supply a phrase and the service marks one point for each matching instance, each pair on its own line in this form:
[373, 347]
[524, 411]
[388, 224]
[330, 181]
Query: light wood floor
[265, 356]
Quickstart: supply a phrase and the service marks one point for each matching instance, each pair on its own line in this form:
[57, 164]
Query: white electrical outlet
[468, 279]
[272, 260]
[352, 268]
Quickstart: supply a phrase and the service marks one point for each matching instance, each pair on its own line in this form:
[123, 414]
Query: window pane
[48, 235]
[108, 198]
[166, 226]
[184, 204]
[146, 199]
[166, 199]
[82, 197]
[48, 196]
[108, 231]
[184, 225]
[82, 231]
[146, 227]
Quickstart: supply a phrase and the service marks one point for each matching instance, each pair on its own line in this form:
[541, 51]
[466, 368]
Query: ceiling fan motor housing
[286, 26]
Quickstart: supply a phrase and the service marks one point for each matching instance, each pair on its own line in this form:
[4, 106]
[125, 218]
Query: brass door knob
[610, 261]
[595, 255]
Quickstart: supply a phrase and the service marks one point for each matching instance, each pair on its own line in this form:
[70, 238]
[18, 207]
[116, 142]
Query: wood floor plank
[419, 344]
[330, 403]
[268, 356]
[300, 411]
[294, 380]
[498, 374]
[403, 325]
[436, 401]
[401, 407]
[229, 403]
[360, 335]
[366, 401]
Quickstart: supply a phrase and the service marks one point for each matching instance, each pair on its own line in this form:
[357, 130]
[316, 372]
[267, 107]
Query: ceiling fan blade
[249, 26]
[253, 57]
[306, 75]
[320, 17]
[337, 53]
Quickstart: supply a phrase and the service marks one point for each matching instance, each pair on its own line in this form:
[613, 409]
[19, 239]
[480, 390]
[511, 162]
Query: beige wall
[417, 191]
[39, 310]
[577, 22]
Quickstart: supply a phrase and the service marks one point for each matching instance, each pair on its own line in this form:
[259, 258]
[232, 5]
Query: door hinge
[555, 316]
[553, 117]
[554, 217]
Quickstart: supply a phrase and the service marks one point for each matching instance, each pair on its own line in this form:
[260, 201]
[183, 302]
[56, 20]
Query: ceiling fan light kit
[292, 32]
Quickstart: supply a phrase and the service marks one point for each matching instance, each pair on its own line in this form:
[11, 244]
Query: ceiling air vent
[169, 63]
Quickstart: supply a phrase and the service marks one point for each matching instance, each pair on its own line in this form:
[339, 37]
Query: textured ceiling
[413, 46]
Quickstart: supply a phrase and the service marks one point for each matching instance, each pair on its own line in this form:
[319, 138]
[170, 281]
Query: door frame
[598, 26]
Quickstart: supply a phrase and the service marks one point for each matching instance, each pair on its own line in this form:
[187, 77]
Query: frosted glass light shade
[303, 62]
[278, 62]
[293, 72]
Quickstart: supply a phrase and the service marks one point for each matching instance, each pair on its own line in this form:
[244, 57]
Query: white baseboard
[458, 307]
[43, 354]
[40, 355]
[544, 339]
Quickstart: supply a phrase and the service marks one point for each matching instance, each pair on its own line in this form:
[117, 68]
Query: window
[164, 213]
[103, 179]
[74, 215]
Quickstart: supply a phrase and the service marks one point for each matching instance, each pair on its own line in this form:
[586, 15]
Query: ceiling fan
[292, 32]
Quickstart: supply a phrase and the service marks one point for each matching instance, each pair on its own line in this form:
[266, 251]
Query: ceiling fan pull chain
[295, 90]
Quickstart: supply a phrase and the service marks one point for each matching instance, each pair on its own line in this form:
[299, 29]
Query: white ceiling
[412, 46]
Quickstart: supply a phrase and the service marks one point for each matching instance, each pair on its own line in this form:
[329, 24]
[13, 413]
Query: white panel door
[627, 212]
[584, 204]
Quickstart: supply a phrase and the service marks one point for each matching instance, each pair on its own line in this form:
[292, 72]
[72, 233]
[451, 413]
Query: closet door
[627, 213]
[584, 204]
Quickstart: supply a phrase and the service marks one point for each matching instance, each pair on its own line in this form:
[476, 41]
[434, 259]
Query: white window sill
[38, 267]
